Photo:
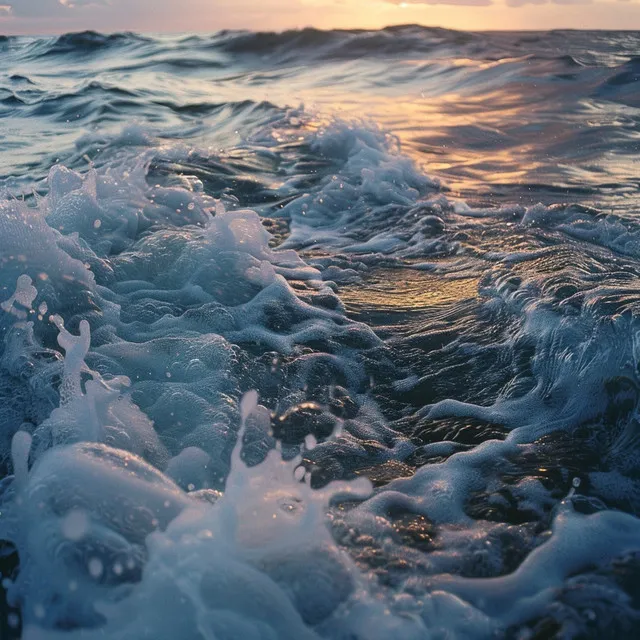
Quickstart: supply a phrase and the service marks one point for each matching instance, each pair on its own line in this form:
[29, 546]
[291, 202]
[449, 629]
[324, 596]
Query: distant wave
[90, 40]
[340, 44]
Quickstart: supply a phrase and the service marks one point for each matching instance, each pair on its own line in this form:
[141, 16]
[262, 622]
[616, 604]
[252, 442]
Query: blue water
[320, 335]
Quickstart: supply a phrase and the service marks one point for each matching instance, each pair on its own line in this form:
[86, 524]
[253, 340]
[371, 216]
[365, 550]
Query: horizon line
[310, 28]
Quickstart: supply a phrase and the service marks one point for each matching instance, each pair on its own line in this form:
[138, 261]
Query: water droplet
[95, 567]
[75, 525]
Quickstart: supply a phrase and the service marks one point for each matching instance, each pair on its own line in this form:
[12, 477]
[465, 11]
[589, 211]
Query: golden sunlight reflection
[405, 291]
[482, 127]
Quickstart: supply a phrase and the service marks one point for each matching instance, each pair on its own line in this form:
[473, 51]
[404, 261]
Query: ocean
[320, 334]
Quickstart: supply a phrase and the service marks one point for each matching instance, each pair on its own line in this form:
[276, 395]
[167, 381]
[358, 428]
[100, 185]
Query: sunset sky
[52, 16]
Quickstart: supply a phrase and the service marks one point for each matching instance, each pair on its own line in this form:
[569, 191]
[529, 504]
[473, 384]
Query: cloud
[475, 3]
[46, 8]
[521, 3]
[55, 16]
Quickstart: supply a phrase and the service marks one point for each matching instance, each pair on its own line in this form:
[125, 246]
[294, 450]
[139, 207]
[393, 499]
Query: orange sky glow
[46, 16]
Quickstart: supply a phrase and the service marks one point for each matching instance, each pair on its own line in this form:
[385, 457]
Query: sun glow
[40, 16]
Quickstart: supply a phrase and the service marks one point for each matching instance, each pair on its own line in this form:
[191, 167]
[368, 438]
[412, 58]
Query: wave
[84, 42]
[264, 374]
[622, 84]
[341, 44]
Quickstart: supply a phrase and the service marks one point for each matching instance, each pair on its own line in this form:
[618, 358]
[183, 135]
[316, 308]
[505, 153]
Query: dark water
[320, 334]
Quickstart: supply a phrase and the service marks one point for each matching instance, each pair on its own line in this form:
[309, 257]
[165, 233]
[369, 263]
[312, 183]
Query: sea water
[320, 335]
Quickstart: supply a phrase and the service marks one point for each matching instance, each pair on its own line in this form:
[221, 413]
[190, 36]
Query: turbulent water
[320, 335]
